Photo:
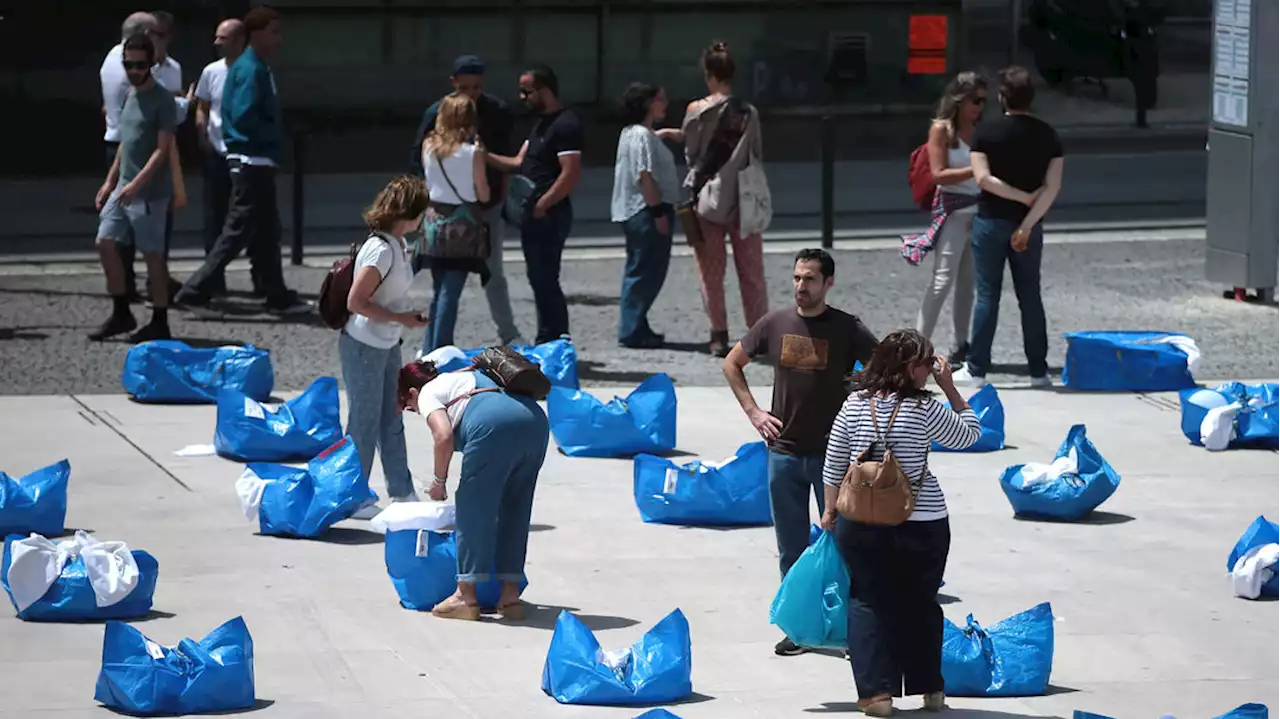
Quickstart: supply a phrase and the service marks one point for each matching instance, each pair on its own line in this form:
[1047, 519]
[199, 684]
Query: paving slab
[1146, 621]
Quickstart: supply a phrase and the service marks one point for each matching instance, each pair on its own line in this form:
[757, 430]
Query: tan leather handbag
[876, 492]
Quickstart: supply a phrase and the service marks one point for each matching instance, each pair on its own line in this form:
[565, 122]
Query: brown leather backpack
[332, 303]
[513, 372]
[876, 492]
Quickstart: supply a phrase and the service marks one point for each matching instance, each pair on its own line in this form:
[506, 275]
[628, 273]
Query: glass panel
[329, 41]
[568, 44]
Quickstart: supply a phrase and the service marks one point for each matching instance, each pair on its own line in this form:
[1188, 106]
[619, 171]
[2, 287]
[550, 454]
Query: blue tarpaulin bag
[1259, 534]
[659, 714]
[732, 492]
[35, 503]
[812, 605]
[1244, 711]
[172, 371]
[655, 670]
[643, 422]
[1130, 361]
[76, 580]
[301, 428]
[142, 677]
[558, 360]
[423, 566]
[292, 502]
[1250, 413]
[990, 410]
[1069, 489]
[1012, 658]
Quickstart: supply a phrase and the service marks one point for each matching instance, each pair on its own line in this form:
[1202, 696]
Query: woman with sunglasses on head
[503, 440]
[954, 206]
[895, 622]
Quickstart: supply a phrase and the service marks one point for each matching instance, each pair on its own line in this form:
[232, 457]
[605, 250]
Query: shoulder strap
[469, 395]
[875, 424]
[440, 162]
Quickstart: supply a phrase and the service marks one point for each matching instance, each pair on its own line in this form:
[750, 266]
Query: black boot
[121, 320]
[156, 329]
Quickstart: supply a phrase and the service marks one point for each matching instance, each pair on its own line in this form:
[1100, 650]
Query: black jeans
[895, 622]
[253, 223]
[217, 194]
[542, 240]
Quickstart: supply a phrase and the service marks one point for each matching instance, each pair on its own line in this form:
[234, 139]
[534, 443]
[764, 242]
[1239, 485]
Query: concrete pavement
[1146, 622]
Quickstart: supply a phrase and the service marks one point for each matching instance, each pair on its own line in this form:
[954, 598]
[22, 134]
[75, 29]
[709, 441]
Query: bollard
[827, 147]
[299, 150]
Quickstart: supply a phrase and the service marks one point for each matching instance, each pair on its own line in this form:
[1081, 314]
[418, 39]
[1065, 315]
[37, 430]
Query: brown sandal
[513, 611]
[454, 608]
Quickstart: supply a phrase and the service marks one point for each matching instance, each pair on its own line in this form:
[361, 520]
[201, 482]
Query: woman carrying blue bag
[895, 622]
[503, 439]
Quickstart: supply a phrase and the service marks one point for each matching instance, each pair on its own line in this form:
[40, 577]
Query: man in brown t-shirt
[812, 348]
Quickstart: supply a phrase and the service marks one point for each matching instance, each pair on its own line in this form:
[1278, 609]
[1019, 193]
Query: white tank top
[459, 166]
[956, 157]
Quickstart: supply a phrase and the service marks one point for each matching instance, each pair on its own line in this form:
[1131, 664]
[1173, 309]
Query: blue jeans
[542, 240]
[990, 252]
[444, 308]
[503, 440]
[648, 255]
[374, 419]
[790, 478]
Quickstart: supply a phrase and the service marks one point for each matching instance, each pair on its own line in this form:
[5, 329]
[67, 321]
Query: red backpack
[920, 178]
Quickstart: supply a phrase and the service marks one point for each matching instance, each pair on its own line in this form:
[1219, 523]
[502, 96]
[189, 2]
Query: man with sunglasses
[495, 127]
[136, 193]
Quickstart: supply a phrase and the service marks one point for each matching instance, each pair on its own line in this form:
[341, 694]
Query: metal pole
[299, 170]
[828, 150]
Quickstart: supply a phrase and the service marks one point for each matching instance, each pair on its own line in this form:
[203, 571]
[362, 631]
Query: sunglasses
[136, 64]
[979, 100]
[526, 92]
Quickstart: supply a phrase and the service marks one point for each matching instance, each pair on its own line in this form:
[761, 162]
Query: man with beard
[135, 196]
[813, 348]
[550, 162]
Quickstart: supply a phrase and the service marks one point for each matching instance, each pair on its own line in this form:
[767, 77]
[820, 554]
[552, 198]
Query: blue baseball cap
[468, 65]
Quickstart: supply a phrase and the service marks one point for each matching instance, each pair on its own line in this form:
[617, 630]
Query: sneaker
[652, 342]
[368, 511]
[293, 305]
[962, 378]
[1041, 382]
[116, 325]
[788, 648]
[149, 332]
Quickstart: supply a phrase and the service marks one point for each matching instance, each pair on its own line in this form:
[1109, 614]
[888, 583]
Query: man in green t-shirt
[134, 199]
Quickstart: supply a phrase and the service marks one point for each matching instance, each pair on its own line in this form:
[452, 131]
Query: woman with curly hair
[895, 622]
[503, 440]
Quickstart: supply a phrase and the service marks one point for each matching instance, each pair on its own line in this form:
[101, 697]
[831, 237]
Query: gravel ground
[45, 315]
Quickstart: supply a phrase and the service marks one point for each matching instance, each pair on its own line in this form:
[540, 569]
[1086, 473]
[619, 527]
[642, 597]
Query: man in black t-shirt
[496, 125]
[1017, 161]
[550, 163]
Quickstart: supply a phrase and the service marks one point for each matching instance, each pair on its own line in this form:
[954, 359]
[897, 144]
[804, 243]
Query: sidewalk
[1146, 622]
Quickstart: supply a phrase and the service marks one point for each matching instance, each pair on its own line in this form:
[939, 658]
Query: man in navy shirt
[550, 163]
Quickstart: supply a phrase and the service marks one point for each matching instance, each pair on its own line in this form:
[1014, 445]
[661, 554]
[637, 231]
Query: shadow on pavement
[1095, 517]
[258, 705]
[543, 616]
[541, 527]
[590, 371]
[852, 708]
[591, 300]
[945, 599]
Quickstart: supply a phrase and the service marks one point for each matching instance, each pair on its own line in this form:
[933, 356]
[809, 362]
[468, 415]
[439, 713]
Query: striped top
[921, 421]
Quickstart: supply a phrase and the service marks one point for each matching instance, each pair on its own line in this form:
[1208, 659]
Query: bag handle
[875, 426]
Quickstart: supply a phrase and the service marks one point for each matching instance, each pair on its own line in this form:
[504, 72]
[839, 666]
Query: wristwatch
[442, 480]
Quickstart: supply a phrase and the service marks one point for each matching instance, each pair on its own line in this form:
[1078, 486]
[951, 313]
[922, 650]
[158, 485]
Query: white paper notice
[1231, 62]
[253, 409]
[673, 476]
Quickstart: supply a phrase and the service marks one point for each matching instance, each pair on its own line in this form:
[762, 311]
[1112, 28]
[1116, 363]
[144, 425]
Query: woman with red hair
[503, 440]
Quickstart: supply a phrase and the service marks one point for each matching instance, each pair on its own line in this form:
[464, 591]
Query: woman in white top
[503, 440]
[895, 622]
[369, 346]
[959, 112]
[645, 190]
[453, 162]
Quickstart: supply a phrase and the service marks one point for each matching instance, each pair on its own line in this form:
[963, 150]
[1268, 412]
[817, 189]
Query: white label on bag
[673, 476]
[424, 543]
[253, 409]
[154, 650]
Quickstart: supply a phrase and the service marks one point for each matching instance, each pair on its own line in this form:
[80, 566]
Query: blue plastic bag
[141, 677]
[733, 492]
[812, 605]
[643, 422]
[35, 503]
[71, 597]
[1244, 711]
[299, 429]
[423, 566]
[657, 714]
[557, 359]
[1012, 658]
[305, 502]
[1257, 424]
[1260, 533]
[1125, 362]
[655, 670]
[990, 410]
[172, 371]
[1070, 496]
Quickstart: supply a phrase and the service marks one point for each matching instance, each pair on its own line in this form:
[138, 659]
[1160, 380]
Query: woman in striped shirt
[895, 622]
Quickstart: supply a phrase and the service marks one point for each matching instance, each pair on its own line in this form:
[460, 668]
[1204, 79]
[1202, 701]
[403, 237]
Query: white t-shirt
[115, 87]
[459, 166]
[391, 256]
[209, 89]
[440, 391]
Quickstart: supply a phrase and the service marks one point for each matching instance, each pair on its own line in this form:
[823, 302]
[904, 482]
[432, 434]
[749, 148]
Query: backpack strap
[875, 425]
[469, 395]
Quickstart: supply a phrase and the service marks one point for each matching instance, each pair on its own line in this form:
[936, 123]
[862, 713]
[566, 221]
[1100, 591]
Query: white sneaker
[1041, 382]
[368, 511]
[410, 497]
[962, 378]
